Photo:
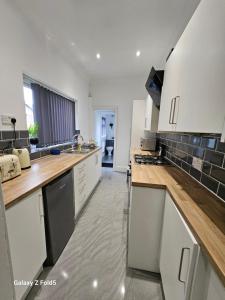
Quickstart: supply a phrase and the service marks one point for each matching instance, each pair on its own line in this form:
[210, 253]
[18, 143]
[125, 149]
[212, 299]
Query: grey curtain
[55, 115]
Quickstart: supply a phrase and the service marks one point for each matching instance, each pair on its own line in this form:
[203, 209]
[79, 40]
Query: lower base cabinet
[207, 285]
[179, 255]
[145, 225]
[86, 175]
[26, 232]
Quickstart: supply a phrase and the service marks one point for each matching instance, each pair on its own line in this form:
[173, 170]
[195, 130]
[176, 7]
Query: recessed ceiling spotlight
[98, 55]
[138, 53]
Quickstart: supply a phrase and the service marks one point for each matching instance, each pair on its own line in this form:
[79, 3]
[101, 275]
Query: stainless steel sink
[82, 151]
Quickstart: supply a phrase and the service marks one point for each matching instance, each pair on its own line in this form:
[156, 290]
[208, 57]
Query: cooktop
[150, 160]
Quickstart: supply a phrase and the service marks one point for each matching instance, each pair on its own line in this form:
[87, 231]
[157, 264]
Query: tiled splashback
[181, 148]
[7, 140]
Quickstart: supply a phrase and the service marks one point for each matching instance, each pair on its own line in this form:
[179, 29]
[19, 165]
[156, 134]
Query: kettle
[24, 157]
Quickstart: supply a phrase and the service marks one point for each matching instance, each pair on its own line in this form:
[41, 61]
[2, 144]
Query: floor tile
[93, 264]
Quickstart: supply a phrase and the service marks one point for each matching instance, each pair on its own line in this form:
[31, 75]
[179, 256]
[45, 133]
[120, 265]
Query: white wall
[138, 122]
[23, 50]
[120, 92]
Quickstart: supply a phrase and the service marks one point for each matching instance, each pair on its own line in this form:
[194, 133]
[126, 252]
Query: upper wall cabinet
[193, 97]
[167, 121]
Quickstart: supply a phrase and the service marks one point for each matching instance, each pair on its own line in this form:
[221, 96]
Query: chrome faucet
[75, 139]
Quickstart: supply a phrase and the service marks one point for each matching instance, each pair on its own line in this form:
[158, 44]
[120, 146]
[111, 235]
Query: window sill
[40, 152]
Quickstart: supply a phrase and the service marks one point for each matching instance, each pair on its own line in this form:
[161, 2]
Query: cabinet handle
[181, 263]
[62, 186]
[174, 109]
[171, 106]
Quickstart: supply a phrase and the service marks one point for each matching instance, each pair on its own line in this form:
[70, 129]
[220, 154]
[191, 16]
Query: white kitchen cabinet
[86, 175]
[179, 254]
[195, 72]
[94, 170]
[170, 90]
[145, 224]
[98, 161]
[216, 289]
[26, 231]
[151, 115]
[202, 70]
[80, 185]
[207, 285]
[6, 276]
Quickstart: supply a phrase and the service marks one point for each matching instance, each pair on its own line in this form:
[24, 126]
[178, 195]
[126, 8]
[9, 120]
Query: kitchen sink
[74, 151]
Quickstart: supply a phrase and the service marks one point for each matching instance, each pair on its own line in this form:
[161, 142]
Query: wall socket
[197, 163]
[6, 120]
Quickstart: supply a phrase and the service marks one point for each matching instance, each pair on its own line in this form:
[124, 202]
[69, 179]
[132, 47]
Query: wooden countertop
[42, 171]
[202, 210]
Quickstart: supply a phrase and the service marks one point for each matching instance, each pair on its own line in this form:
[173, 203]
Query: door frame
[114, 109]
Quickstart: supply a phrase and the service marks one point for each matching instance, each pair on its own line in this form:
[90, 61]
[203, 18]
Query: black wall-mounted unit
[154, 85]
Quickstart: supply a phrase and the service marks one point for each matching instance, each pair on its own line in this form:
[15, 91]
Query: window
[54, 113]
[28, 98]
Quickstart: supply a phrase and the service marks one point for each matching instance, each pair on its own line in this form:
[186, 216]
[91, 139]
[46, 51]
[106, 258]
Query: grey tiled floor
[93, 264]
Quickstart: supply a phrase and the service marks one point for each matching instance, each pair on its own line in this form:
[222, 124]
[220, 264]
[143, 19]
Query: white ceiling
[114, 28]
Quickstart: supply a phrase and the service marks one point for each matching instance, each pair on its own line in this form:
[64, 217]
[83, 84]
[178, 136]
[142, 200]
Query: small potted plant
[33, 134]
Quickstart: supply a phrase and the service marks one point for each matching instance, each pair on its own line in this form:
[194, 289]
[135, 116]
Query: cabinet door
[6, 278]
[145, 225]
[25, 222]
[99, 164]
[215, 289]
[80, 185]
[170, 90]
[202, 70]
[179, 252]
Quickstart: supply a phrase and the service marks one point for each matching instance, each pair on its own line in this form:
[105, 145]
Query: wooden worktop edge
[49, 179]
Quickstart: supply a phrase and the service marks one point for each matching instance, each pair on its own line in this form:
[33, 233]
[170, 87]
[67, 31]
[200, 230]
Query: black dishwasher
[59, 215]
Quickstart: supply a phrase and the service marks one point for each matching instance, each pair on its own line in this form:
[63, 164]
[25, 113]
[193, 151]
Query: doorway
[105, 123]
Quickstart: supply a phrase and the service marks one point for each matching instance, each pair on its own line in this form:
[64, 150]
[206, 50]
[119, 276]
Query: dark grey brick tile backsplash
[180, 148]
[7, 141]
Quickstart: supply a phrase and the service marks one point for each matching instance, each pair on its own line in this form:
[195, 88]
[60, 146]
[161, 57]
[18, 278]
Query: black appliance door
[59, 215]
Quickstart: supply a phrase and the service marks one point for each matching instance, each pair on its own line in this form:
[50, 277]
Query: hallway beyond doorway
[105, 124]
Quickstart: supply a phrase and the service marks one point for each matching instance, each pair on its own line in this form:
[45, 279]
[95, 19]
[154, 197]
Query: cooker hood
[154, 85]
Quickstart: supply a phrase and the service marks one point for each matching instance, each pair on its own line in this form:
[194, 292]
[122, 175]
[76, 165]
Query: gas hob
[150, 160]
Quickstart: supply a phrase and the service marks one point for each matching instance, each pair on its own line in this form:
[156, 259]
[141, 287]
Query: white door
[170, 91]
[25, 223]
[6, 276]
[202, 70]
[179, 252]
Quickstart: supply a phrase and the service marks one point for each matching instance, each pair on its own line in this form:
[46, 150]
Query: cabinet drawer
[82, 179]
[81, 167]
